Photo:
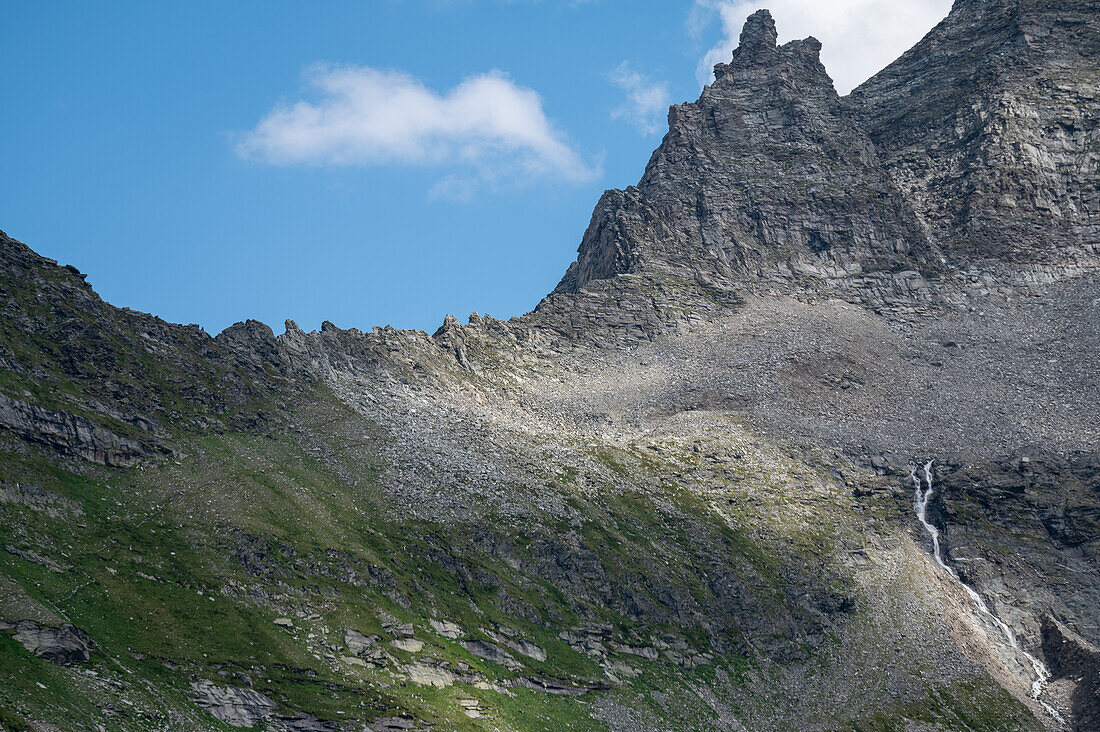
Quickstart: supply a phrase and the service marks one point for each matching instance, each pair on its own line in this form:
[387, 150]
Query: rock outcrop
[1038, 537]
[102, 369]
[71, 434]
[234, 706]
[64, 645]
[1072, 658]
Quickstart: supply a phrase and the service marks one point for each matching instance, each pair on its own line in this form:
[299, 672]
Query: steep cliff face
[764, 177]
[991, 128]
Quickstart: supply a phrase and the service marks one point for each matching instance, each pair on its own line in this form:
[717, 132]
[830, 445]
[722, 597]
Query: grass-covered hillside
[271, 577]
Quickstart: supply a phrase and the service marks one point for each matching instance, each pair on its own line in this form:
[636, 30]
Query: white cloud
[491, 130]
[859, 37]
[453, 188]
[646, 103]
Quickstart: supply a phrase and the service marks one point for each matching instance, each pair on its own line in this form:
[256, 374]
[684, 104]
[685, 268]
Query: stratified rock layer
[63, 646]
[991, 128]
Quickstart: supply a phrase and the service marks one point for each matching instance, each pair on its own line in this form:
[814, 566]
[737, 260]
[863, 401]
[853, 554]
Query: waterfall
[922, 498]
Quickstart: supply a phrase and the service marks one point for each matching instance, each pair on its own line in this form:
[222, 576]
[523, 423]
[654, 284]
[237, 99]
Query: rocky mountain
[765, 177]
[806, 438]
[989, 126]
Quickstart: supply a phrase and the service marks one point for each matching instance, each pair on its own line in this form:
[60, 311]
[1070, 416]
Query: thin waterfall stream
[922, 498]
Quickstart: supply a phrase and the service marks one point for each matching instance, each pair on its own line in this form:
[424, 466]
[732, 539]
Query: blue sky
[365, 162]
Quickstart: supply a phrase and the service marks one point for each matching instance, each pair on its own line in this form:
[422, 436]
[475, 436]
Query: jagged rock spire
[758, 39]
[758, 50]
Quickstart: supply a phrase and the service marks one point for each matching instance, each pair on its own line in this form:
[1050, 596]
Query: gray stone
[71, 433]
[394, 724]
[447, 629]
[528, 649]
[410, 645]
[490, 652]
[234, 706]
[766, 176]
[426, 675]
[997, 148]
[64, 646]
[358, 643]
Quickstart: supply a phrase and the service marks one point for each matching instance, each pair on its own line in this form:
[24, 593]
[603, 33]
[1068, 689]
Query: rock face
[236, 707]
[766, 176]
[491, 652]
[359, 644]
[981, 143]
[991, 128]
[1036, 545]
[70, 433]
[109, 378]
[63, 646]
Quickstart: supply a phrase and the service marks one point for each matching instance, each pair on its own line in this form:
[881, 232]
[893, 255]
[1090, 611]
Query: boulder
[491, 652]
[411, 645]
[447, 629]
[394, 724]
[425, 675]
[357, 643]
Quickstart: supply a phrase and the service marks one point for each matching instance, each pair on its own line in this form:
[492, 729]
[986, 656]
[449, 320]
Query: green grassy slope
[177, 570]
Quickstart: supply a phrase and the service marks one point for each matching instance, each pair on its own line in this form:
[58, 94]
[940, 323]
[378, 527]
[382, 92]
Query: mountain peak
[758, 52]
[696, 457]
[758, 38]
[764, 177]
